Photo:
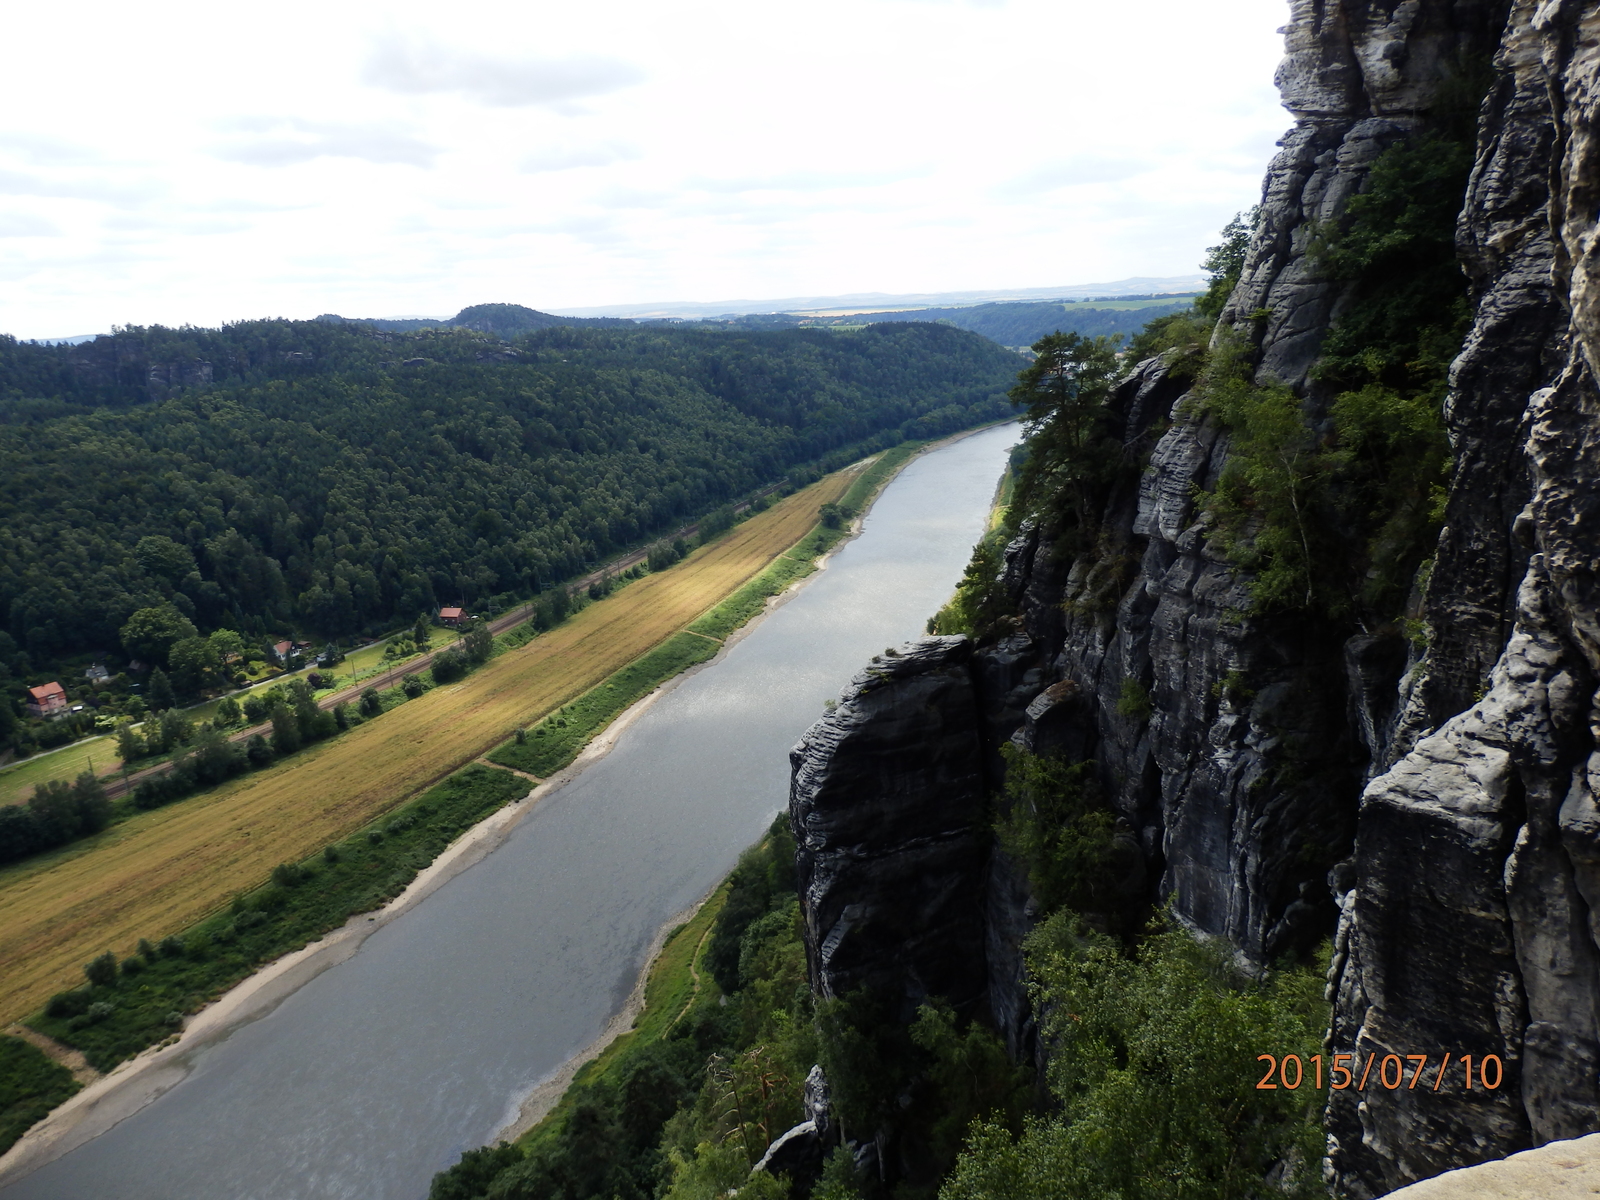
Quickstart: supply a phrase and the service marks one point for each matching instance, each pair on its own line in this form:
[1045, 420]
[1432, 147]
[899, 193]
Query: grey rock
[886, 804]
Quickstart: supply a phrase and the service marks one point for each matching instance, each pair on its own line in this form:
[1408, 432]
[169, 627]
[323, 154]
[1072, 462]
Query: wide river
[382, 1069]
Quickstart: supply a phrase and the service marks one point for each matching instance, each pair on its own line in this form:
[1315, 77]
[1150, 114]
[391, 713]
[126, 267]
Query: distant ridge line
[883, 301]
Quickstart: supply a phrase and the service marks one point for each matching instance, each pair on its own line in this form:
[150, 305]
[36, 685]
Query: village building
[451, 617]
[50, 700]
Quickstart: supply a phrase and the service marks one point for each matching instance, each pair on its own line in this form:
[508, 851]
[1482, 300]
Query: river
[382, 1069]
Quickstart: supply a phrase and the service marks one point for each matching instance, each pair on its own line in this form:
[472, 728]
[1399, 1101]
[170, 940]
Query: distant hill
[1023, 324]
[1015, 325]
[499, 320]
[1142, 285]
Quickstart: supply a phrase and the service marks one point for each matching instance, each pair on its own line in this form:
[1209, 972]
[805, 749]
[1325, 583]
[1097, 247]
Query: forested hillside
[332, 478]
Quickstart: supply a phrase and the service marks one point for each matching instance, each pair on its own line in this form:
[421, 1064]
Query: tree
[195, 664]
[421, 634]
[371, 705]
[130, 747]
[1224, 262]
[228, 645]
[285, 730]
[228, 711]
[164, 558]
[478, 643]
[150, 633]
[257, 751]
[102, 970]
[176, 729]
[160, 691]
[447, 666]
[1071, 449]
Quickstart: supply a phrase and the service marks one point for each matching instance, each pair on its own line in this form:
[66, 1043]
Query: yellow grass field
[160, 871]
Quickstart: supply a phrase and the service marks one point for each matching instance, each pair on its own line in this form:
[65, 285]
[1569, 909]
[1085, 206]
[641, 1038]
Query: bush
[255, 709]
[836, 516]
[448, 666]
[413, 686]
[371, 705]
[286, 875]
[102, 970]
[257, 751]
[68, 1004]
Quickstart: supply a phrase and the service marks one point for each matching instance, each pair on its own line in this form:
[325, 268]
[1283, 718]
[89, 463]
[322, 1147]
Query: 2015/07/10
[1291, 1071]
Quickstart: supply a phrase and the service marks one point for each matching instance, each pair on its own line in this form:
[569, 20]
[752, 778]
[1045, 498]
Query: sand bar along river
[378, 1070]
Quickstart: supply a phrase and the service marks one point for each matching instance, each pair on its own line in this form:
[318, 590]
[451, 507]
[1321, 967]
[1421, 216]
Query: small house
[282, 652]
[450, 616]
[47, 701]
[97, 674]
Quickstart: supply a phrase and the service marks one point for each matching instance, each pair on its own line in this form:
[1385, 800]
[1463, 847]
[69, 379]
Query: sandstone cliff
[1292, 779]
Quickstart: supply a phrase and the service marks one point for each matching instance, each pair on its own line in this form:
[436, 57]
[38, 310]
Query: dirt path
[72, 1060]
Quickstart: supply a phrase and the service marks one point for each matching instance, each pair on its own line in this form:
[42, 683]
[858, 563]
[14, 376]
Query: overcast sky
[202, 163]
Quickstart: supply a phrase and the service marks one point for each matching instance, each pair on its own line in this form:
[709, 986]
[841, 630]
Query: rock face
[1285, 780]
[887, 810]
[1468, 911]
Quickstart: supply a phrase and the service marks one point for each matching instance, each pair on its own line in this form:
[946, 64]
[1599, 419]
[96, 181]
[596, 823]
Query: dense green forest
[333, 479]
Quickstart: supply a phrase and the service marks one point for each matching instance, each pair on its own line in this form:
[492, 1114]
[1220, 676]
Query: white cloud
[284, 141]
[417, 68]
[21, 225]
[565, 158]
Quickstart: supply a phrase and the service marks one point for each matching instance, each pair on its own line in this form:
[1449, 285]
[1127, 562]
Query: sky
[182, 163]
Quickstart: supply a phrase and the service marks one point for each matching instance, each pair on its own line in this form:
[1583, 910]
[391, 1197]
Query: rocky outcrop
[887, 808]
[1468, 909]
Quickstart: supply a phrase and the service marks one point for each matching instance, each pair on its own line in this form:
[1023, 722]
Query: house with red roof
[450, 616]
[48, 700]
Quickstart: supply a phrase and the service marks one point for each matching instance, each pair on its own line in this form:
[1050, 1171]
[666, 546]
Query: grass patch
[556, 741]
[140, 1006]
[749, 600]
[30, 1086]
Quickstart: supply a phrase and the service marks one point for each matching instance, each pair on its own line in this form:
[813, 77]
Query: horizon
[398, 160]
[844, 303]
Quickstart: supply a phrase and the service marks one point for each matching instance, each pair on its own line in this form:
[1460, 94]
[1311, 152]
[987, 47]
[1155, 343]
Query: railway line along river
[381, 1069]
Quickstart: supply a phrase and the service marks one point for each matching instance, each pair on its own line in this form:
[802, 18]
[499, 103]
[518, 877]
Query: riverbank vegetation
[127, 1004]
[30, 1086]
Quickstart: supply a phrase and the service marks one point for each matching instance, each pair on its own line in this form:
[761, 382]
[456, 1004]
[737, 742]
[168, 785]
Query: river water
[381, 1070]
